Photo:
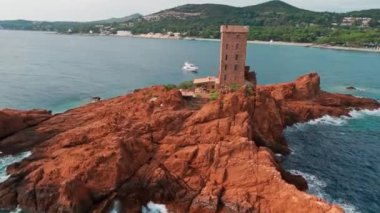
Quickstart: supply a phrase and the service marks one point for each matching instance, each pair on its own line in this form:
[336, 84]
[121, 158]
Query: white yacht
[190, 67]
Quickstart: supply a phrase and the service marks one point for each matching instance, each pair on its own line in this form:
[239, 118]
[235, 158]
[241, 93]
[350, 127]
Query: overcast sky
[86, 10]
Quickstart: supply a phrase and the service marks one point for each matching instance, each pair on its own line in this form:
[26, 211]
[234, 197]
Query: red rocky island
[154, 145]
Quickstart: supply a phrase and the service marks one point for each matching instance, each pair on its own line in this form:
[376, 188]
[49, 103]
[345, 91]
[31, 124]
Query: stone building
[233, 53]
[233, 50]
[208, 83]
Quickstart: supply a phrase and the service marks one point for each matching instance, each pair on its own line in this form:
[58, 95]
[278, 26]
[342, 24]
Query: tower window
[226, 57]
[237, 46]
[236, 67]
[225, 67]
[236, 57]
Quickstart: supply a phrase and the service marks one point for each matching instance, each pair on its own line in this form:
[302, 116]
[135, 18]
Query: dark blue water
[340, 158]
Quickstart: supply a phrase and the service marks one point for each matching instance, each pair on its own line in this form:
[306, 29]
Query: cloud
[85, 10]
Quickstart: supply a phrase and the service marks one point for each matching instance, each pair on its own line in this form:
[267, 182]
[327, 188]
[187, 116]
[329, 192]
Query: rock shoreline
[192, 156]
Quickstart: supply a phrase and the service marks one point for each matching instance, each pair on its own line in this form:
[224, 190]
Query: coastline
[214, 44]
[320, 46]
[282, 43]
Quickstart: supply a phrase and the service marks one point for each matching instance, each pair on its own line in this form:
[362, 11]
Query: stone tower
[232, 55]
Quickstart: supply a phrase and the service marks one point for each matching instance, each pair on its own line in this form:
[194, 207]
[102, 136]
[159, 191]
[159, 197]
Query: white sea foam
[339, 121]
[348, 208]
[292, 151]
[360, 89]
[358, 114]
[154, 208]
[17, 210]
[330, 120]
[116, 206]
[8, 160]
[317, 188]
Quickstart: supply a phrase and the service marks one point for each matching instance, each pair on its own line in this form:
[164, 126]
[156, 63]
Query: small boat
[190, 67]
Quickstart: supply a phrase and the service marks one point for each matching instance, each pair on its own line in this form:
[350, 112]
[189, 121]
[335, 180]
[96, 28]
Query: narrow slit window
[226, 57]
[225, 67]
[236, 67]
[236, 57]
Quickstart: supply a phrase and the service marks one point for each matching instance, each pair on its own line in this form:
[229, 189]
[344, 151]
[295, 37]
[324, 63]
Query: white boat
[190, 67]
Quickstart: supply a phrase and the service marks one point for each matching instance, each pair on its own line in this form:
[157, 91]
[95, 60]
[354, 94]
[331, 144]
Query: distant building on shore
[123, 33]
[356, 21]
[232, 68]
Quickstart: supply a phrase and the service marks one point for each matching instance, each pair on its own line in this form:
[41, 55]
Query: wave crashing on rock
[337, 121]
[5, 161]
[316, 187]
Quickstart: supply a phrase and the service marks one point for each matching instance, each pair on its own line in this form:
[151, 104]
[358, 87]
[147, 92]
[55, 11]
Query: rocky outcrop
[151, 146]
[351, 88]
[12, 121]
[282, 105]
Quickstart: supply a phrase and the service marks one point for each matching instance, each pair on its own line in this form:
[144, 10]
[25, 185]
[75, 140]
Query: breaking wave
[330, 120]
[154, 208]
[17, 210]
[361, 89]
[116, 206]
[8, 160]
[339, 121]
[317, 186]
[357, 114]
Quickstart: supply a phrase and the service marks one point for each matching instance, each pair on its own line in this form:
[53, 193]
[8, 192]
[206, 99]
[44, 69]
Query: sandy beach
[321, 46]
[345, 48]
[312, 45]
[283, 43]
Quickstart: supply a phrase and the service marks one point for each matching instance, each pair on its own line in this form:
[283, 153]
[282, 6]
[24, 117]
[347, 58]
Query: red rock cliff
[282, 105]
[12, 121]
[153, 145]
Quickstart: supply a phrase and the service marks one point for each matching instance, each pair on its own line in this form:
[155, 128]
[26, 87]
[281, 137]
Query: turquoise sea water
[340, 158]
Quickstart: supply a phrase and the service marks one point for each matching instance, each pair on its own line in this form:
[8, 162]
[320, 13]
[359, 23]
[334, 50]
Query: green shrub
[249, 90]
[186, 85]
[214, 96]
[234, 87]
[170, 86]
